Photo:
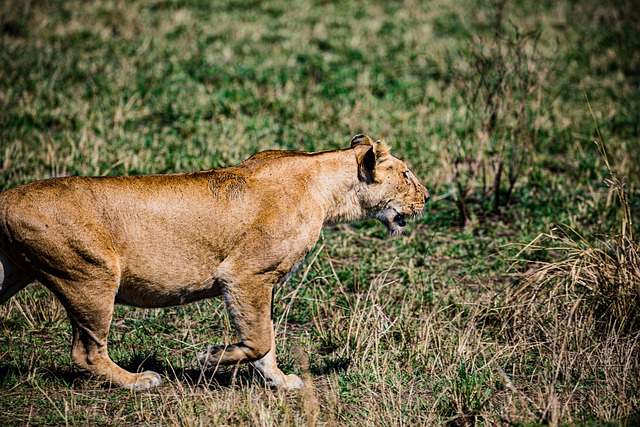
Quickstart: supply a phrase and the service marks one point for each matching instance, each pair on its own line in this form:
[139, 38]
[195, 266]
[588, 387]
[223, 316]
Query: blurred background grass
[487, 101]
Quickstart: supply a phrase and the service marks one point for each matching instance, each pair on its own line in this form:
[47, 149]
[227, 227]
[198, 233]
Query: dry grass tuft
[574, 318]
[595, 280]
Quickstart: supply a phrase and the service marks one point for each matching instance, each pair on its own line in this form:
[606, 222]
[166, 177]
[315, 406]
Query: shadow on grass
[12, 375]
[338, 364]
[224, 376]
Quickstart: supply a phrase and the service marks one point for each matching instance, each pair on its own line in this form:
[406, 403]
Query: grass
[448, 324]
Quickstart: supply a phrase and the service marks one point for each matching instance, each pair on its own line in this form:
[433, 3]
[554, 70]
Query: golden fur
[162, 240]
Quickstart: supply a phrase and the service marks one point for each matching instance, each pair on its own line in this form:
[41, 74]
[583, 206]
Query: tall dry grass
[573, 320]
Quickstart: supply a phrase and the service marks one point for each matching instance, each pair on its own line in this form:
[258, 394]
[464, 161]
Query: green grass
[406, 331]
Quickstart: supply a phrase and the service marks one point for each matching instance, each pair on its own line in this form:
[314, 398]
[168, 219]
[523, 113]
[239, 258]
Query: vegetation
[514, 300]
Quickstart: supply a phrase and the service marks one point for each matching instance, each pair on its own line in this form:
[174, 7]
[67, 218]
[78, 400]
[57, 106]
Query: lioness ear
[369, 154]
[366, 157]
[382, 149]
[361, 139]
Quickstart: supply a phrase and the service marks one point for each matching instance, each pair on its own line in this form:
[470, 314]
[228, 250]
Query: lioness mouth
[400, 220]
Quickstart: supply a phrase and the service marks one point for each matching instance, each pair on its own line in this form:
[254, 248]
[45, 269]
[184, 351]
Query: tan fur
[162, 240]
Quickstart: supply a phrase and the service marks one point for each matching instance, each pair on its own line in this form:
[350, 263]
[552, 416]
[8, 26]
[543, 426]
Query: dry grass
[575, 318]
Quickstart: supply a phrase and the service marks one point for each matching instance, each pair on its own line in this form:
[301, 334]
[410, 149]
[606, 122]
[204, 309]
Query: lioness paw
[285, 382]
[292, 382]
[207, 358]
[144, 381]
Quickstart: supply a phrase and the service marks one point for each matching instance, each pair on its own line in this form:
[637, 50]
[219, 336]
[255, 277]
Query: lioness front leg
[90, 316]
[268, 367]
[250, 312]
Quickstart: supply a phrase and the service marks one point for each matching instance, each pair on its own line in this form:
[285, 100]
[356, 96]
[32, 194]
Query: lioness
[163, 240]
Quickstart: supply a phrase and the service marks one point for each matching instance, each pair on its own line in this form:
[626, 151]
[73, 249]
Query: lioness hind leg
[90, 314]
[89, 355]
[250, 311]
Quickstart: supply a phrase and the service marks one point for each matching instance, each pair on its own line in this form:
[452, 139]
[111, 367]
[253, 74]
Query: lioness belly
[151, 294]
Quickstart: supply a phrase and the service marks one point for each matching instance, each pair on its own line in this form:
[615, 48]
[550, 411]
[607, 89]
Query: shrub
[502, 78]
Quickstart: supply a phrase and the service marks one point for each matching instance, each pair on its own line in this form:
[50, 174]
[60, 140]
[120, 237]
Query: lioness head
[392, 191]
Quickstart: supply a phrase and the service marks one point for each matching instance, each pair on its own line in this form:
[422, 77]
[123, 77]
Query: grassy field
[515, 300]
